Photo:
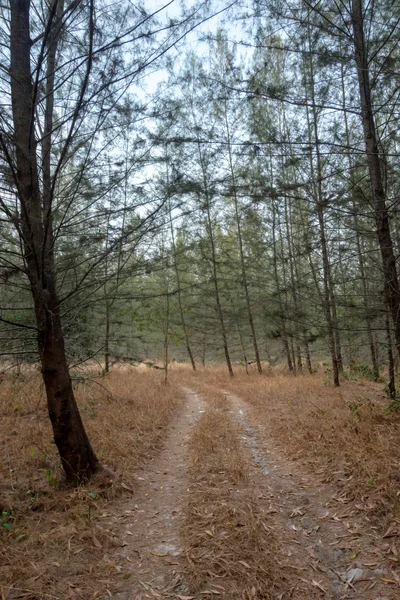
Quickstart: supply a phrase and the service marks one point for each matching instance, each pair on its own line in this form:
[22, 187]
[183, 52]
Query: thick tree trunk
[77, 456]
[392, 288]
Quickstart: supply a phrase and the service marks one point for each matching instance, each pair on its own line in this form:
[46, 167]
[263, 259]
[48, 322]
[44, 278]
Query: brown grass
[229, 546]
[345, 433]
[58, 543]
[52, 539]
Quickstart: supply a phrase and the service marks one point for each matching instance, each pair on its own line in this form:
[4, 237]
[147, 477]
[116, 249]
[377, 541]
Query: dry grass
[229, 546]
[58, 543]
[346, 433]
[52, 541]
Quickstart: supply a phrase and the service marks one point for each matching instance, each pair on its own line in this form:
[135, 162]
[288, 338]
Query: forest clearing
[270, 486]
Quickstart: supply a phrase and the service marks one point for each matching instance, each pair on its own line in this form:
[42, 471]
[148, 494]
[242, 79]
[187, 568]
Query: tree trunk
[77, 456]
[308, 356]
[246, 364]
[371, 343]
[293, 285]
[203, 354]
[241, 250]
[392, 288]
[166, 341]
[178, 282]
[283, 330]
[318, 193]
[392, 380]
[214, 266]
[301, 330]
[107, 340]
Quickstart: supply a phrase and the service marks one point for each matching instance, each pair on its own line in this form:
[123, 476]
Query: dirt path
[148, 560]
[326, 551]
[331, 552]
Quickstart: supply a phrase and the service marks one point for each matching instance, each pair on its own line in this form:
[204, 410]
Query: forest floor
[265, 487]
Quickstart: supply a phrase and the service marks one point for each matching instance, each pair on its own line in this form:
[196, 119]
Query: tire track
[149, 559]
[317, 541]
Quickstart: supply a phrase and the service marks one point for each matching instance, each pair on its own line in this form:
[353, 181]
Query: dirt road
[325, 549]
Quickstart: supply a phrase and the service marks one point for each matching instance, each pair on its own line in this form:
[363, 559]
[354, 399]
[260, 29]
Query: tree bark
[107, 341]
[392, 288]
[77, 456]
[214, 264]
[368, 320]
[178, 281]
[293, 285]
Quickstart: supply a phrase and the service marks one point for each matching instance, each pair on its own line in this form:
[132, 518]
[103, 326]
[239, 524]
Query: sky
[173, 10]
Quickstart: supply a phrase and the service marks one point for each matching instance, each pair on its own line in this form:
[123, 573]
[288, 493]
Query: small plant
[33, 496]
[355, 409]
[394, 406]
[51, 479]
[91, 493]
[92, 413]
[6, 520]
[363, 371]
[327, 377]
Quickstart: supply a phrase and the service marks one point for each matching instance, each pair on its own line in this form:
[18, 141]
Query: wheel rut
[323, 548]
[149, 557]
